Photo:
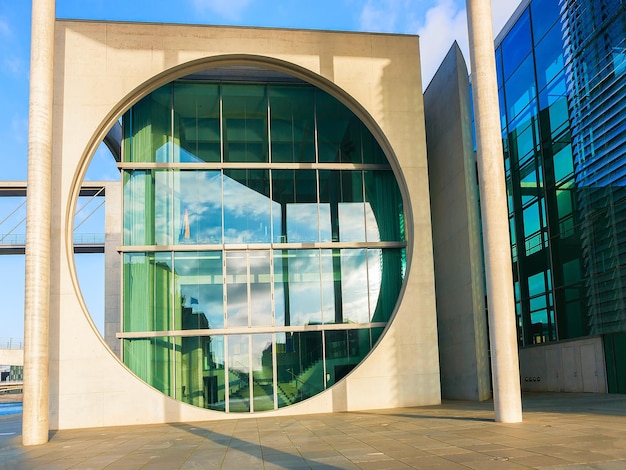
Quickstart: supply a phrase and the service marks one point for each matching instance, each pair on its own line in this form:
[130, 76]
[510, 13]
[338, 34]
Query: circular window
[263, 240]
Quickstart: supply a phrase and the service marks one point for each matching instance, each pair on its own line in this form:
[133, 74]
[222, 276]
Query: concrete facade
[102, 69]
[459, 278]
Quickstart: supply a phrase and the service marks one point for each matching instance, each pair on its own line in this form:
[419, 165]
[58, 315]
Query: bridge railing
[11, 343]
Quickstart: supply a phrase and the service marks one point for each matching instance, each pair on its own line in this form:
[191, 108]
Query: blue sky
[438, 22]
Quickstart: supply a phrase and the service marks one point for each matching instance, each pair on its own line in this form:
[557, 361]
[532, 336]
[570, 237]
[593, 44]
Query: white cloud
[501, 11]
[444, 23]
[15, 66]
[231, 10]
[5, 29]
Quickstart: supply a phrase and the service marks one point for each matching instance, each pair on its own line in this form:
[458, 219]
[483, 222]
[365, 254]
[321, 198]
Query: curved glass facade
[263, 243]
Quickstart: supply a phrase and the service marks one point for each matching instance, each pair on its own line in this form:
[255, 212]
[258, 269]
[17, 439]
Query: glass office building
[562, 76]
[263, 240]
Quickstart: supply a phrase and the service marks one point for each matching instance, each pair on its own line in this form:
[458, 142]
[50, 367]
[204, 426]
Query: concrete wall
[567, 366]
[462, 322]
[11, 357]
[103, 68]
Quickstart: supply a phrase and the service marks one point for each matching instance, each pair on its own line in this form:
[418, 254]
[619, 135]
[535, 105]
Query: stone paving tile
[560, 431]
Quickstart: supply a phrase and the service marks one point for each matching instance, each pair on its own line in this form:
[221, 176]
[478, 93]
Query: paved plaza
[572, 431]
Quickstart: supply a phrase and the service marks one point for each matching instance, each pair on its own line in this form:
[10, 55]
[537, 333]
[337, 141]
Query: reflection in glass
[260, 288]
[214, 377]
[344, 350]
[247, 206]
[199, 282]
[304, 287]
[196, 122]
[292, 124]
[245, 123]
[238, 373]
[236, 288]
[299, 366]
[152, 360]
[149, 302]
[198, 206]
[262, 373]
[249, 230]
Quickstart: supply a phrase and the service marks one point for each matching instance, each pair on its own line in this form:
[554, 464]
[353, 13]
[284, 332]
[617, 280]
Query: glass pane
[281, 288]
[331, 285]
[516, 45]
[149, 303]
[199, 282]
[520, 88]
[198, 207]
[344, 350]
[147, 132]
[341, 197]
[147, 207]
[238, 373]
[260, 289]
[299, 366]
[296, 193]
[304, 288]
[196, 122]
[549, 57]
[338, 134]
[193, 387]
[247, 206]
[153, 361]
[385, 275]
[383, 207]
[354, 287]
[262, 373]
[214, 377]
[245, 123]
[236, 288]
[292, 124]
[544, 14]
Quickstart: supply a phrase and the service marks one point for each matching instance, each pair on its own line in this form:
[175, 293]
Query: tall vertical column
[37, 292]
[493, 202]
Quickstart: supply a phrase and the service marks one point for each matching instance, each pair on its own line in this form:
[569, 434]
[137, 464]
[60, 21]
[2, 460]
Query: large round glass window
[263, 240]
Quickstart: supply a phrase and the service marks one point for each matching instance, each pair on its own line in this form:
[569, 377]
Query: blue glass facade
[562, 78]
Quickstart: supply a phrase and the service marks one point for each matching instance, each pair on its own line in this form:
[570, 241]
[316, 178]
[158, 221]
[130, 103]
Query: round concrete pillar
[37, 292]
[493, 202]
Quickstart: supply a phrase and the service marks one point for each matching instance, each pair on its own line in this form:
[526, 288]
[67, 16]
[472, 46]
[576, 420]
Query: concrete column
[496, 239]
[37, 291]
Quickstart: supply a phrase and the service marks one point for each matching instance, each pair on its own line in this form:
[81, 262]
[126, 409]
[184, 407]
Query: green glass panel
[196, 122]
[236, 288]
[563, 164]
[260, 288]
[342, 212]
[292, 124]
[149, 301]
[281, 288]
[304, 286]
[238, 373]
[331, 285]
[338, 131]
[295, 212]
[247, 206]
[354, 286]
[147, 207]
[148, 128]
[344, 350]
[299, 366]
[385, 276]
[153, 360]
[199, 282]
[214, 376]
[262, 372]
[197, 207]
[245, 123]
[383, 207]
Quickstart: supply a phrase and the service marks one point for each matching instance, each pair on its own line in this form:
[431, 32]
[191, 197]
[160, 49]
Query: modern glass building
[263, 240]
[562, 76]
